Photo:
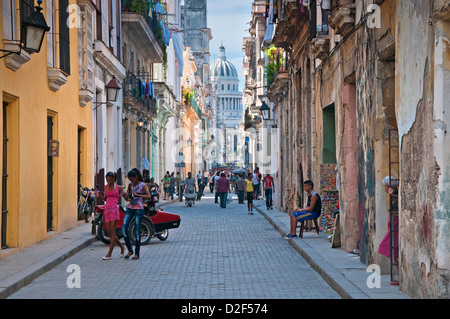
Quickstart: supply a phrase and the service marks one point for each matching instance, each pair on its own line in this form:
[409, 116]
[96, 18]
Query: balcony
[143, 30]
[136, 99]
[342, 17]
[291, 20]
[319, 30]
[276, 70]
[249, 46]
[189, 100]
[321, 47]
[168, 104]
[251, 121]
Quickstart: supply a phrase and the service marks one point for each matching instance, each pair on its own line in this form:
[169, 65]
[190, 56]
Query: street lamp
[265, 111]
[112, 89]
[140, 123]
[32, 32]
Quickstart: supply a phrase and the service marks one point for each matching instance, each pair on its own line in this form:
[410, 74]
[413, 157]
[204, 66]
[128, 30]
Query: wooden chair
[316, 224]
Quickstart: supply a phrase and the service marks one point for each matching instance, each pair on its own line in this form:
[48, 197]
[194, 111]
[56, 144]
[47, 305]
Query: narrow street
[215, 254]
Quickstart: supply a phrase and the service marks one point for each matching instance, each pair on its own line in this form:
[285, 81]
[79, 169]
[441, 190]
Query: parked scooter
[86, 203]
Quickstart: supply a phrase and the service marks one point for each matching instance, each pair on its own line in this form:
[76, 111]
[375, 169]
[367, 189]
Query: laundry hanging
[269, 29]
[150, 10]
[147, 89]
[142, 89]
[177, 39]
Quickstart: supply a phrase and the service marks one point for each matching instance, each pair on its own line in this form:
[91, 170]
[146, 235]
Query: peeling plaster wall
[442, 151]
[423, 85]
[363, 201]
[294, 124]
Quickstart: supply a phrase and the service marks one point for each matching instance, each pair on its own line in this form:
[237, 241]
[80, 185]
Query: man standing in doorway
[312, 211]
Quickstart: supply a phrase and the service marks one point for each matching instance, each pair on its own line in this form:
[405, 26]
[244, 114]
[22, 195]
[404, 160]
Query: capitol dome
[223, 68]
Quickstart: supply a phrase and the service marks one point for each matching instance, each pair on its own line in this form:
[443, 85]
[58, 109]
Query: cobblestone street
[215, 254]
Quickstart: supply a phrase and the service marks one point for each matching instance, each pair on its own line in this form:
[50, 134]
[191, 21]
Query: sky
[229, 23]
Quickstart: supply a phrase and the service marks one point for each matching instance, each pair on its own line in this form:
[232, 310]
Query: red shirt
[268, 182]
[223, 185]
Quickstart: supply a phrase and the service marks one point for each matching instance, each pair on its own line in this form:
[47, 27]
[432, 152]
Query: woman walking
[136, 194]
[111, 212]
[249, 191]
[166, 185]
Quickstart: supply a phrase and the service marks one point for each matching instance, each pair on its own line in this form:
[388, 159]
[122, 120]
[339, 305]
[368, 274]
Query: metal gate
[394, 166]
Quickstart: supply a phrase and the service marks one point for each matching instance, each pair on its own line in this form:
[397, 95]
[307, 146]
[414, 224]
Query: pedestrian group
[247, 186]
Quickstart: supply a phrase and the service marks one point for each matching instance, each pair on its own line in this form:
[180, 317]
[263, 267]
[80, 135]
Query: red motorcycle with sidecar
[155, 223]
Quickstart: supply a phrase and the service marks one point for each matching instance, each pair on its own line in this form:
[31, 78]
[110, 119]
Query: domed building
[227, 103]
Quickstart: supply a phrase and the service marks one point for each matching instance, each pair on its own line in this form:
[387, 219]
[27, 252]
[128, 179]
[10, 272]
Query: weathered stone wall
[358, 76]
[422, 79]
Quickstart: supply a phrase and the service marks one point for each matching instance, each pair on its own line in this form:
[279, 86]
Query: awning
[177, 39]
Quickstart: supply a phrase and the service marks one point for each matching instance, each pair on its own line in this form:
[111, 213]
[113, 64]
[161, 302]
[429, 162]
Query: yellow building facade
[40, 97]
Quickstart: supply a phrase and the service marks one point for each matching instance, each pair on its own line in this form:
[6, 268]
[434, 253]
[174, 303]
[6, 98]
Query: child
[111, 212]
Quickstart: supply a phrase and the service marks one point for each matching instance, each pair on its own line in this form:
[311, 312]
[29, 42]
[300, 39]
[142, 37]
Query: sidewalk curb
[26, 276]
[21, 279]
[345, 288]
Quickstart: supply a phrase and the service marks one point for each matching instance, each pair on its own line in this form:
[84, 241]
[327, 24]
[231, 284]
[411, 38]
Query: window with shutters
[64, 43]
[9, 20]
[51, 36]
[98, 7]
[86, 50]
[26, 8]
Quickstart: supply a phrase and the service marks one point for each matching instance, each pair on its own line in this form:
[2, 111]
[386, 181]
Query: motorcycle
[155, 197]
[155, 223]
[86, 203]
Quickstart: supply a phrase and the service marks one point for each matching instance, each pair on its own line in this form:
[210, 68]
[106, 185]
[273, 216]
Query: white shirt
[255, 179]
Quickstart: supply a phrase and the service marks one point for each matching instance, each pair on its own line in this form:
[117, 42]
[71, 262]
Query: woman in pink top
[111, 212]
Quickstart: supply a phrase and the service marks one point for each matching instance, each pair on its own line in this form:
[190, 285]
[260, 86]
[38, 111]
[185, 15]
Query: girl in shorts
[249, 191]
[111, 212]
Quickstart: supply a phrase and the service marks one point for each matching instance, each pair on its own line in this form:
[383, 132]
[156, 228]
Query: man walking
[211, 181]
[216, 195]
[223, 187]
[199, 177]
[172, 185]
[312, 211]
[240, 187]
[190, 184]
[269, 187]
